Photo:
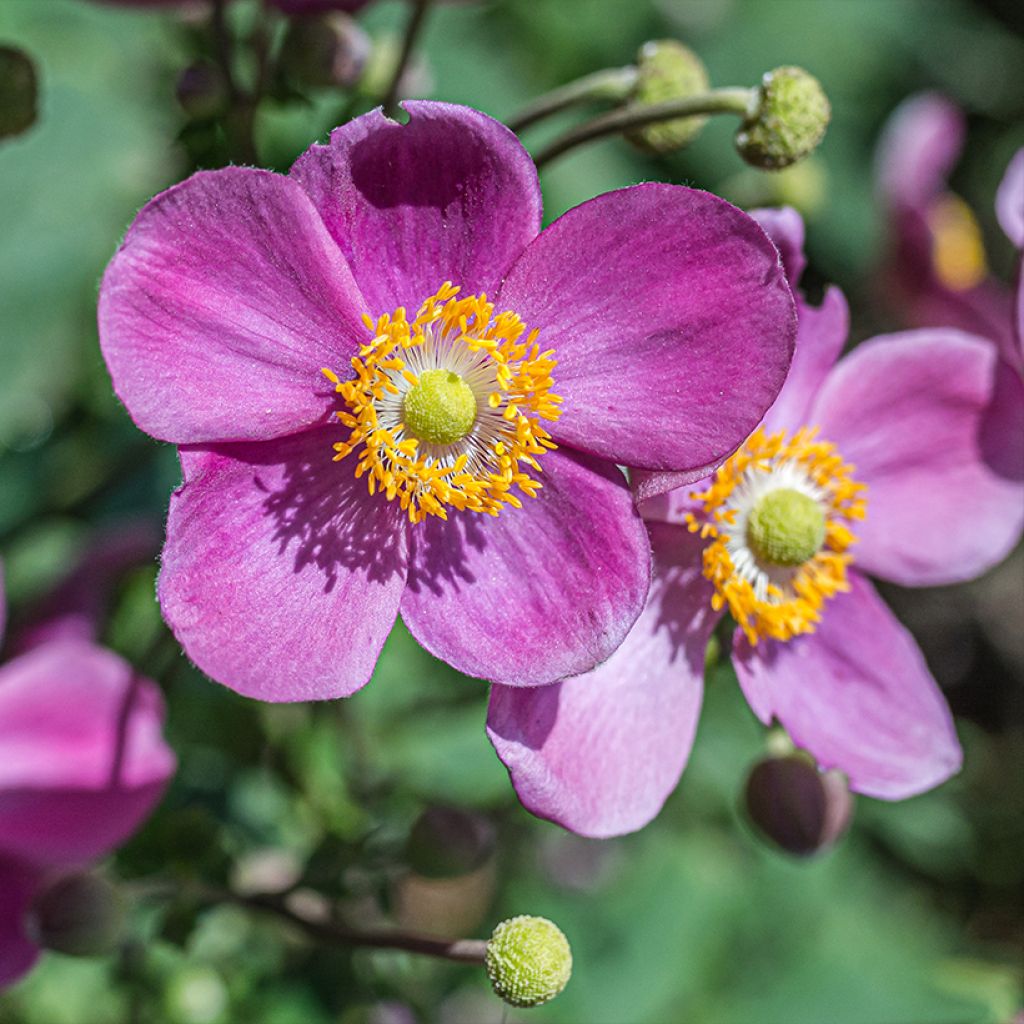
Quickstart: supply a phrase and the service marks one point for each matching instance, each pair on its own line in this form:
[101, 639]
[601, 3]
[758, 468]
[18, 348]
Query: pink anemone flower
[393, 392]
[937, 273]
[904, 460]
[82, 764]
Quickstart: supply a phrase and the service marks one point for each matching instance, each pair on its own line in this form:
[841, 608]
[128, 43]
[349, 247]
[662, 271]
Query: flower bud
[528, 960]
[81, 915]
[18, 92]
[202, 91]
[325, 51]
[797, 807]
[666, 70]
[447, 842]
[787, 121]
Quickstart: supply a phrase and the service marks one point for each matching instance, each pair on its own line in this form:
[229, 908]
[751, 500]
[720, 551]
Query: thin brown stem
[413, 29]
[717, 101]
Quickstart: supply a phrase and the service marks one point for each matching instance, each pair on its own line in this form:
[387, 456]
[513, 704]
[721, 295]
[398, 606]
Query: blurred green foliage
[916, 919]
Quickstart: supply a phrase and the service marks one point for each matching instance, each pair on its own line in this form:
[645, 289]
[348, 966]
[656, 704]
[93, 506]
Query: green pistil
[440, 409]
[785, 528]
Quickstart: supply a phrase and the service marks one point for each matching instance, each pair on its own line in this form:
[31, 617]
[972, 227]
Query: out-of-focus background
[916, 918]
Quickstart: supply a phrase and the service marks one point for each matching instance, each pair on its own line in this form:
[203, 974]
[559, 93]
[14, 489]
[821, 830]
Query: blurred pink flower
[82, 764]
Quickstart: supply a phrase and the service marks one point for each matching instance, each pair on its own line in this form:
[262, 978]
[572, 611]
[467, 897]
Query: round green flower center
[528, 960]
[440, 408]
[785, 528]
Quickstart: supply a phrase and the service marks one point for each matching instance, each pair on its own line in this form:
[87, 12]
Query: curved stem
[417, 17]
[607, 84]
[717, 101]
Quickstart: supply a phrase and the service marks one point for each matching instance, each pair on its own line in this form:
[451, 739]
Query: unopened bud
[325, 51]
[202, 91]
[81, 915]
[446, 842]
[18, 92]
[666, 70]
[528, 960]
[787, 121]
[797, 807]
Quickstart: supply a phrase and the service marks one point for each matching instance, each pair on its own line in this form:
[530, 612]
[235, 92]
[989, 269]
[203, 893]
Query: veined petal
[857, 695]
[600, 752]
[82, 758]
[1010, 200]
[281, 574]
[671, 320]
[450, 196]
[224, 301]
[934, 426]
[785, 227]
[539, 592]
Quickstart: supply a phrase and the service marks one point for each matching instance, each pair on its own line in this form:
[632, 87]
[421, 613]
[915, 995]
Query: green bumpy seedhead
[440, 408]
[788, 121]
[667, 70]
[528, 960]
[785, 528]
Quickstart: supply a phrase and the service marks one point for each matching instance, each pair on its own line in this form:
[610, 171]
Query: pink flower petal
[224, 301]
[82, 758]
[935, 429]
[858, 696]
[18, 886]
[599, 753]
[450, 196]
[1010, 200]
[671, 320]
[281, 574]
[537, 593]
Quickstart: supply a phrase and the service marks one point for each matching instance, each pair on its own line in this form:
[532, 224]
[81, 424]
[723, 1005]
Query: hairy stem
[717, 101]
[417, 18]
[612, 84]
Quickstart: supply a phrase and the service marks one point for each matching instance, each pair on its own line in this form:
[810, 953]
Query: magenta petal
[785, 227]
[935, 429]
[281, 574]
[3, 605]
[921, 143]
[821, 334]
[599, 753]
[537, 593]
[858, 696]
[224, 301]
[671, 320]
[450, 196]
[82, 758]
[1010, 200]
[18, 886]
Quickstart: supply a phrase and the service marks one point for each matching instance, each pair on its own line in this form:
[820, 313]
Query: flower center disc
[786, 528]
[778, 517]
[441, 408]
[444, 409]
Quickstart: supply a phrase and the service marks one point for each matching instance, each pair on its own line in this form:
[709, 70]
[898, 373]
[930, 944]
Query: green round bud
[80, 915]
[666, 70]
[785, 528]
[528, 960]
[18, 92]
[440, 408]
[202, 91]
[787, 122]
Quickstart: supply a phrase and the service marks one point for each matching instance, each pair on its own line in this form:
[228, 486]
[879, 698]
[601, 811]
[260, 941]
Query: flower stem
[607, 84]
[417, 17]
[717, 101]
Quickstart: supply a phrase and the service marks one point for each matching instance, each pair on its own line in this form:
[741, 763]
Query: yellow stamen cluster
[789, 610]
[507, 434]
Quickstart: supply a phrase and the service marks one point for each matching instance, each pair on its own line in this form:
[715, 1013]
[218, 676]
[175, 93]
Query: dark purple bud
[325, 51]
[798, 808]
[18, 92]
[202, 91]
[446, 842]
[81, 915]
